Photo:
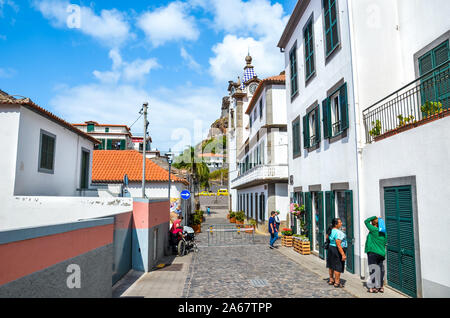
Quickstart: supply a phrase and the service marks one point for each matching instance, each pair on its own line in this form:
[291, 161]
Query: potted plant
[251, 225]
[302, 244]
[286, 238]
[197, 223]
[228, 215]
[240, 217]
[232, 217]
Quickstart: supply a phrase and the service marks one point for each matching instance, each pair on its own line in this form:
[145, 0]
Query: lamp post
[169, 160]
[144, 150]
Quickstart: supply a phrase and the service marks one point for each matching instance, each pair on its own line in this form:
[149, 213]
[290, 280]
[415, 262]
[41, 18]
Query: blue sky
[100, 60]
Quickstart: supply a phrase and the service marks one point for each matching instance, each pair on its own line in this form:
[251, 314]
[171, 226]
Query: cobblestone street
[252, 271]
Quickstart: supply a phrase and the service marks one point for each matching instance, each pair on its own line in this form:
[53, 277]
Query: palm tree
[197, 167]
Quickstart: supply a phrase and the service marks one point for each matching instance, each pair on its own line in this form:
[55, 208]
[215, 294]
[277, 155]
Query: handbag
[326, 245]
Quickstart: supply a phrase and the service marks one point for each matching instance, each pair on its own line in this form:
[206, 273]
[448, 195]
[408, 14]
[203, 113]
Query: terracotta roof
[278, 79]
[110, 166]
[6, 99]
[211, 155]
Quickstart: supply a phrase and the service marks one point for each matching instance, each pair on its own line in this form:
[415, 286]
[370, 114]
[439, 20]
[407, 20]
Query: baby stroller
[186, 243]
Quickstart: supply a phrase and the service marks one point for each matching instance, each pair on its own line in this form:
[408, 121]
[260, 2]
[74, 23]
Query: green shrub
[232, 214]
[197, 219]
[240, 216]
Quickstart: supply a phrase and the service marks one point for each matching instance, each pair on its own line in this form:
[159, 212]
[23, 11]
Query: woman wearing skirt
[336, 253]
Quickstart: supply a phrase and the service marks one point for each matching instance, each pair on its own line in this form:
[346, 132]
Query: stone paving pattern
[226, 272]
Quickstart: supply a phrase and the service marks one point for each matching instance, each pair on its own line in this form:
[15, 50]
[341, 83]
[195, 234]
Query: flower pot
[228, 216]
[249, 227]
[287, 240]
[239, 222]
[233, 220]
[197, 228]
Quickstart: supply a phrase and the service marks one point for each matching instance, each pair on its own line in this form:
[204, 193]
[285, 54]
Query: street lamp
[169, 156]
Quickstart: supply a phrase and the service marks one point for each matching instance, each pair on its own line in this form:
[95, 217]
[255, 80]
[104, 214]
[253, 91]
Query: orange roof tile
[110, 166]
[6, 99]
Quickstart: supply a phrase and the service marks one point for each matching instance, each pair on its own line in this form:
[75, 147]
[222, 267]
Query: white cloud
[7, 72]
[110, 27]
[173, 118]
[192, 64]
[254, 26]
[171, 23]
[229, 59]
[127, 71]
[9, 3]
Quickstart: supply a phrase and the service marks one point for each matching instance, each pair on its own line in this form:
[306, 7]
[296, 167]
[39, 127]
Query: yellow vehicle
[222, 192]
[206, 193]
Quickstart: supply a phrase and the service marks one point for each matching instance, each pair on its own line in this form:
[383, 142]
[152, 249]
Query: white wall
[156, 189]
[24, 211]
[9, 134]
[332, 162]
[282, 200]
[67, 165]
[423, 152]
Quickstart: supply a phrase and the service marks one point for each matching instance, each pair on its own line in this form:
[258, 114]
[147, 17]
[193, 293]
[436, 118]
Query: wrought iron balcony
[260, 175]
[424, 99]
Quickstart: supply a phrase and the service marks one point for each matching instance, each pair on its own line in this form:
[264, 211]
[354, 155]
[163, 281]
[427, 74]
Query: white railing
[266, 172]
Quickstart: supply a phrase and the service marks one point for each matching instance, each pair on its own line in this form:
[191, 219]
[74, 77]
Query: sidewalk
[167, 282]
[353, 283]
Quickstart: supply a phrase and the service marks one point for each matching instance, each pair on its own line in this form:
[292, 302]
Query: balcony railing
[261, 173]
[425, 97]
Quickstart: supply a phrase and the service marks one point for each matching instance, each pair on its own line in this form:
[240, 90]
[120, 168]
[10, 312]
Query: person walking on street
[277, 222]
[273, 230]
[376, 252]
[336, 253]
[208, 210]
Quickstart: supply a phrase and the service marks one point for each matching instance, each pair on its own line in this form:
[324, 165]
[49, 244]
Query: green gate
[401, 269]
[321, 237]
[349, 231]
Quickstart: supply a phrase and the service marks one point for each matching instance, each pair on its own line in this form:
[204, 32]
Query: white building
[111, 137]
[214, 161]
[257, 139]
[341, 57]
[43, 154]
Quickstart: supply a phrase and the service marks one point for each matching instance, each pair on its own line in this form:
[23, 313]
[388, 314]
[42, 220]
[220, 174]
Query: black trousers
[378, 276]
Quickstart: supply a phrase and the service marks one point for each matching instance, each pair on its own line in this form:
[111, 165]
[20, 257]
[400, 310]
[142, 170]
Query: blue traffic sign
[185, 194]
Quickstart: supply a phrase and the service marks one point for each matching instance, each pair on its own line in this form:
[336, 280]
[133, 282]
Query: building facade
[44, 155]
[257, 145]
[112, 137]
[342, 56]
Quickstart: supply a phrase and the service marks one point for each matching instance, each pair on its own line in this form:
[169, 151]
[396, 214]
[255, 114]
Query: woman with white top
[336, 253]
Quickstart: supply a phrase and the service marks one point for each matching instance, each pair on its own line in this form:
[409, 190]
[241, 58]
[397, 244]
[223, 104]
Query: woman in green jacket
[376, 252]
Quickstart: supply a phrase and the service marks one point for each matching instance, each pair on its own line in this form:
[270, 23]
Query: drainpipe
[358, 134]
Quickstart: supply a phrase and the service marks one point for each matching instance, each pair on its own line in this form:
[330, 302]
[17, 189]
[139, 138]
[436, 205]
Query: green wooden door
[108, 144]
[84, 179]
[329, 210]
[309, 218]
[401, 269]
[350, 262]
[321, 237]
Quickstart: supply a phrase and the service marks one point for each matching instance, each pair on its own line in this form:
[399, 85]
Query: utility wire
[136, 121]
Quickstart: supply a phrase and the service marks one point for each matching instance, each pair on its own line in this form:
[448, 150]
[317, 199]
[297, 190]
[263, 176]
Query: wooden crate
[302, 247]
[287, 241]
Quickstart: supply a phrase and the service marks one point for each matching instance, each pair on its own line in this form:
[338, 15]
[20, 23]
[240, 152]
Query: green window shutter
[425, 63]
[326, 118]
[344, 106]
[321, 226]
[329, 210]
[293, 68]
[349, 231]
[90, 127]
[309, 216]
[296, 137]
[122, 145]
[330, 25]
[441, 54]
[305, 132]
[103, 144]
[108, 144]
[309, 50]
[107, 129]
[317, 114]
